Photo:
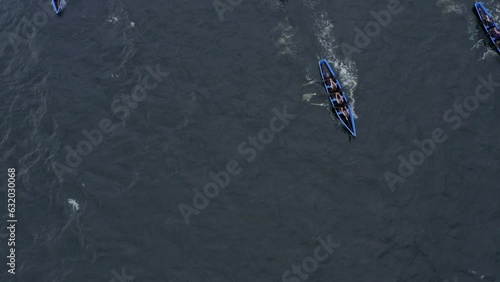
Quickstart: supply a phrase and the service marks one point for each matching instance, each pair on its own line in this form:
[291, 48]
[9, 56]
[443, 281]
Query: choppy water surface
[396, 206]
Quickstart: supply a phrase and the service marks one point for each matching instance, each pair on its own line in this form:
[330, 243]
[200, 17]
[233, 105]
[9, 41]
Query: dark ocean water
[113, 215]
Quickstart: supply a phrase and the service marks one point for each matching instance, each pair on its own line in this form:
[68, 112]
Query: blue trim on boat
[333, 101]
[480, 6]
[57, 9]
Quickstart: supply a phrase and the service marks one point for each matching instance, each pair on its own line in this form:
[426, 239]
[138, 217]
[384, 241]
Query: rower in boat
[489, 22]
[495, 33]
[326, 72]
[336, 95]
[330, 82]
[339, 99]
[333, 85]
[345, 111]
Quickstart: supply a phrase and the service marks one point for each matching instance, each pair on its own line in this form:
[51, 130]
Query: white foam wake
[345, 68]
[451, 7]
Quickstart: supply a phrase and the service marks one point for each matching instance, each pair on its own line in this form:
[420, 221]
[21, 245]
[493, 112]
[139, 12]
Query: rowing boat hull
[58, 6]
[347, 122]
[480, 7]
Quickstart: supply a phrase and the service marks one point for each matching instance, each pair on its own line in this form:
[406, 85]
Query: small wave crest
[311, 4]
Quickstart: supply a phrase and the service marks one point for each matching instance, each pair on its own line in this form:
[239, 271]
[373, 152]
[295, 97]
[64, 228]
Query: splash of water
[324, 35]
[112, 19]
[275, 4]
[287, 42]
[489, 53]
[74, 204]
[345, 68]
[311, 4]
[494, 9]
[308, 96]
[451, 7]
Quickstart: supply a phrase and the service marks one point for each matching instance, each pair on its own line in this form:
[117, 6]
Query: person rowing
[326, 72]
[338, 98]
[328, 79]
[345, 111]
[336, 95]
[489, 22]
[495, 33]
[333, 85]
